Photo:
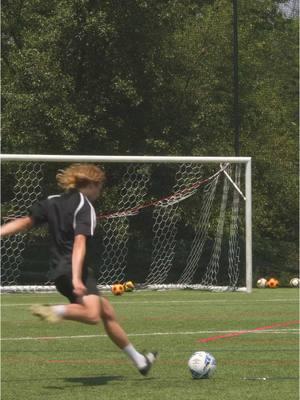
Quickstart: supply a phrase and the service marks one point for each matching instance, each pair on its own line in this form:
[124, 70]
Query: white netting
[26, 190]
[200, 234]
[160, 224]
[115, 239]
[210, 277]
[234, 248]
[165, 216]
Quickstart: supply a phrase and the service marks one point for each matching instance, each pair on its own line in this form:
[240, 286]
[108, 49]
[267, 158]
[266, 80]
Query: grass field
[75, 361]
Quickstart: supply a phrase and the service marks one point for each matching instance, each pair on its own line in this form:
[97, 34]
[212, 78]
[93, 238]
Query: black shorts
[64, 285]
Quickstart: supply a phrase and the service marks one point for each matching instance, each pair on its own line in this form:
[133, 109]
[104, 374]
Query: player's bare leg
[111, 325]
[117, 334]
[91, 311]
[87, 312]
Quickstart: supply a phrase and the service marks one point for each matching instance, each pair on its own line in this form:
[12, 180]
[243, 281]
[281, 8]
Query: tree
[155, 77]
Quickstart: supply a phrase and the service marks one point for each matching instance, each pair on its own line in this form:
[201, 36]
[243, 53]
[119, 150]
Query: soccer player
[71, 221]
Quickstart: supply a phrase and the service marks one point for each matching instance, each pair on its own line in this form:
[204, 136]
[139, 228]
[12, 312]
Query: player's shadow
[87, 381]
[94, 380]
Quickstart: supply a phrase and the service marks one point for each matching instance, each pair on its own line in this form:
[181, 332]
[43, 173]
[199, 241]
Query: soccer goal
[163, 222]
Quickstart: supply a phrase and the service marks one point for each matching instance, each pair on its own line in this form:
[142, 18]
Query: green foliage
[155, 77]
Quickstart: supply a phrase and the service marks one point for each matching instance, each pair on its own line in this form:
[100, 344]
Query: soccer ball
[261, 283]
[117, 289]
[273, 283]
[294, 282]
[202, 365]
[128, 286]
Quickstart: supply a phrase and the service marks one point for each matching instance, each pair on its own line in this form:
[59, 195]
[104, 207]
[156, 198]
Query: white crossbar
[132, 159]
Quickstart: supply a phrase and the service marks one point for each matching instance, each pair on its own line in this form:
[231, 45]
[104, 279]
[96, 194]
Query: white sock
[59, 310]
[135, 356]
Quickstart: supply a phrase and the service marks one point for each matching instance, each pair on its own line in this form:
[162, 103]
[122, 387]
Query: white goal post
[194, 236]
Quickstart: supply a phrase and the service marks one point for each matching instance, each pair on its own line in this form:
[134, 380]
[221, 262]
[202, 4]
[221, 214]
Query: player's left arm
[17, 225]
[78, 256]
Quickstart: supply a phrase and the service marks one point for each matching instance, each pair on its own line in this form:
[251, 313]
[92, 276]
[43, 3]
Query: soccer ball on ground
[117, 289]
[273, 283]
[261, 283]
[128, 286]
[294, 282]
[202, 365]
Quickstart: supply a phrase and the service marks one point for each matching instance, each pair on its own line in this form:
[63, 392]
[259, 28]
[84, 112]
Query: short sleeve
[39, 212]
[85, 220]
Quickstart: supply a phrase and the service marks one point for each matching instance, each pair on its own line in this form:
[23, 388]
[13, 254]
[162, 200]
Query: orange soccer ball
[273, 283]
[117, 289]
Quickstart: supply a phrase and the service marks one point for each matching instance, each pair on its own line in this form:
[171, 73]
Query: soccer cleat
[45, 313]
[150, 359]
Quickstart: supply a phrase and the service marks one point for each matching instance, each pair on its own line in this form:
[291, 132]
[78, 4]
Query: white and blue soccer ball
[294, 282]
[202, 365]
[261, 283]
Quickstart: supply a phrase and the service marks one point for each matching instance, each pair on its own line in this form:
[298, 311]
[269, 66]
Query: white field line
[269, 331]
[150, 302]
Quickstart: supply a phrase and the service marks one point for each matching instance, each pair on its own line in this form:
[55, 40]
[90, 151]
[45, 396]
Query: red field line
[262, 328]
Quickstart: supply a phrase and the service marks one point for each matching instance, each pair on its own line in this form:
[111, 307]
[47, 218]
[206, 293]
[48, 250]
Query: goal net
[163, 222]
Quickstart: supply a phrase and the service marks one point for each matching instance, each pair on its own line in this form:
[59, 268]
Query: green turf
[93, 368]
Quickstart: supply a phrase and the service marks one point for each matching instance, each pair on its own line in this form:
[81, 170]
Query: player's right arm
[78, 256]
[17, 225]
[84, 225]
[37, 215]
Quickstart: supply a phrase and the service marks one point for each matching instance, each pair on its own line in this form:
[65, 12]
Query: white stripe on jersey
[54, 195]
[81, 203]
[93, 217]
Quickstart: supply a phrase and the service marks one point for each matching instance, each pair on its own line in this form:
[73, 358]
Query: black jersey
[67, 215]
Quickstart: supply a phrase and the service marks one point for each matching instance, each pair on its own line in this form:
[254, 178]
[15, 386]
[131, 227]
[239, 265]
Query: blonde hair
[79, 175]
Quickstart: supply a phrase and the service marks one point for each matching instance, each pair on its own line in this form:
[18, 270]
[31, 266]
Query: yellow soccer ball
[128, 286]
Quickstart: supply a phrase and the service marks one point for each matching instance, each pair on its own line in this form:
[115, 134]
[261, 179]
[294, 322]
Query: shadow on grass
[86, 381]
[94, 380]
